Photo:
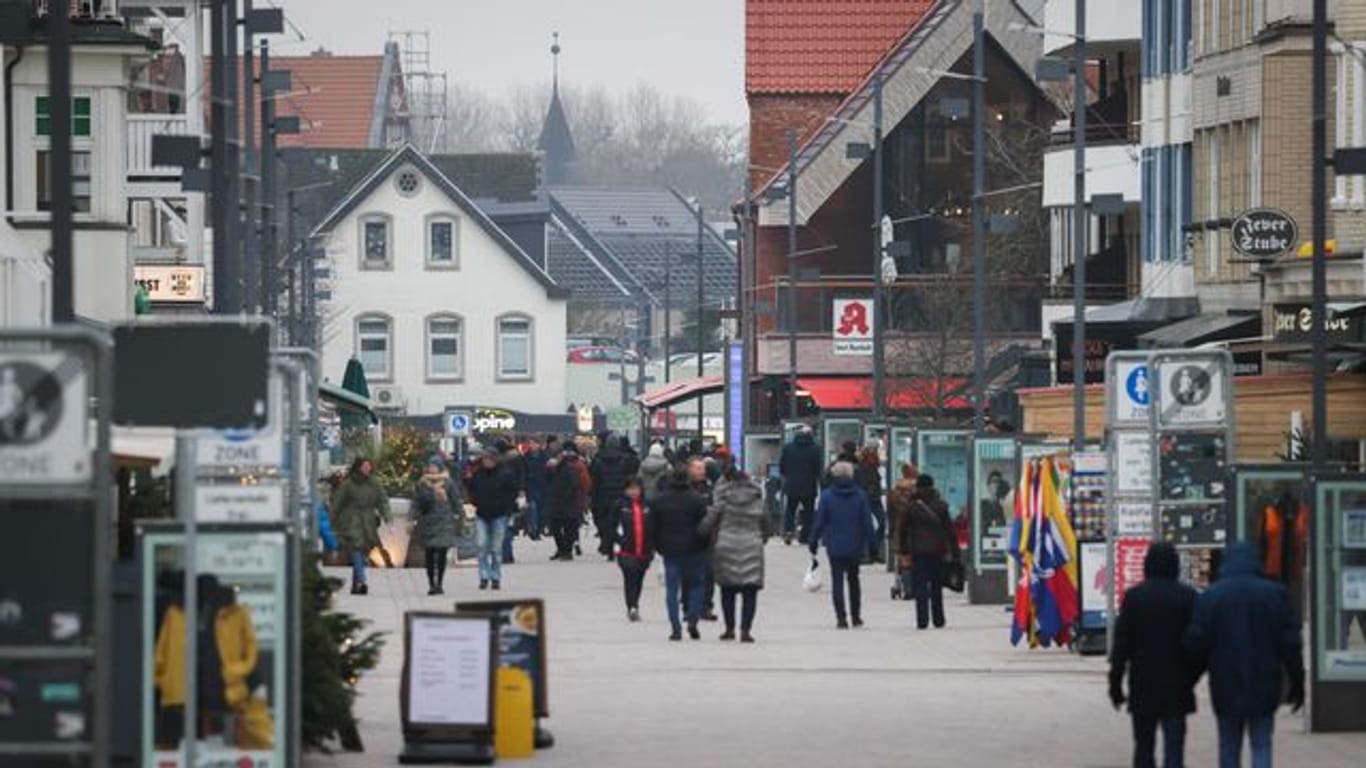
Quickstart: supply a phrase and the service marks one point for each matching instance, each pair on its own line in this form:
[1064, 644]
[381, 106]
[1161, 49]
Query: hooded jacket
[1148, 640]
[609, 471]
[437, 524]
[652, 471]
[800, 465]
[493, 491]
[844, 520]
[677, 517]
[737, 521]
[360, 505]
[1246, 633]
[926, 530]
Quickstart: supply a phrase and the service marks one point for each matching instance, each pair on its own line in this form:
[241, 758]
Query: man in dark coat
[534, 468]
[1148, 644]
[844, 521]
[800, 467]
[609, 471]
[699, 479]
[564, 500]
[1246, 633]
[676, 517]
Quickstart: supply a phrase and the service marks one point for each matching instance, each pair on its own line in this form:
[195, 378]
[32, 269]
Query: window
[444, 347]
[514, 347]
[408, 182]
[374, 346]
[80, 116]
[376, 242]
[442, 234]
[936, 136]
[80, 181]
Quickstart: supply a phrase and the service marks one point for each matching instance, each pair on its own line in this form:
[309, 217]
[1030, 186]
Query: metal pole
[790, 308]
[269, 256]
[225, 297]
[701, 313]
[59, 166]
[879, 356]
[184, 505]
[310, 295]
[233, 202]
[295, 332]
[252, 234]
[668, 314]
[1080, 230]
[1319, 334]
[625, 385]
[979, 246]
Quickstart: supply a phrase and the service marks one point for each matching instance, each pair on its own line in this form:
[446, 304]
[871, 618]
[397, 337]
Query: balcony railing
[141, 129]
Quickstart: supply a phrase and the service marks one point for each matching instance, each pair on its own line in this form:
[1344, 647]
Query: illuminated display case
[994, 475]
[1340, 579]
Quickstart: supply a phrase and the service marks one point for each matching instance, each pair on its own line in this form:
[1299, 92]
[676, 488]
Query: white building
[103, 55]
[437, 302]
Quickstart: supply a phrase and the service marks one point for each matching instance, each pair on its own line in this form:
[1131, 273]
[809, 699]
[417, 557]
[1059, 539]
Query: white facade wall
[103, 268]
[487, 284]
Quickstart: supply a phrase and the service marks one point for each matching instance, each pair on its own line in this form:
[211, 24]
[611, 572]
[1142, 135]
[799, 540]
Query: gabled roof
[820, 46]
[408, 154]
[571, 261]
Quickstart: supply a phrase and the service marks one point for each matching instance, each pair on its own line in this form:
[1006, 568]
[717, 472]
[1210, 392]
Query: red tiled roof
[333, 96]
[821, 46]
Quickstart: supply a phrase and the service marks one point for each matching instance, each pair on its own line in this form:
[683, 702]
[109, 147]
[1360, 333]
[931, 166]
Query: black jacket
[828, 479]
[800, 466]
[677, 516]
[564, 494]
[610, 470]
[493, 492]
[1148, 640]
[869, 479]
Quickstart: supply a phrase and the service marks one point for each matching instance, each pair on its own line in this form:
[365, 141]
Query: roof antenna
[555, 54]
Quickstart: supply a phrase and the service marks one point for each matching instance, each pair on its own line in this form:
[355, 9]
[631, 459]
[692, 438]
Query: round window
[408, 182]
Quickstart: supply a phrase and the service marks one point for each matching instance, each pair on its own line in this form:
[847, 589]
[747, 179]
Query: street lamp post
[879, 355]
[1318, 269]
[790, 306]
[1079, 232]
[701, 310]
[979, 259]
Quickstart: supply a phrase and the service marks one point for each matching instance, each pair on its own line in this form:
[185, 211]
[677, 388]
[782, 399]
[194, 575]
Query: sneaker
[633, 615]
[483, 583]
[693, 632]
[746, 637]
[728, 635]
[497, 585]
[841, 624]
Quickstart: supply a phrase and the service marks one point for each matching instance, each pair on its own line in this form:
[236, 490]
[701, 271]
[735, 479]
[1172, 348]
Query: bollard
[514, 721]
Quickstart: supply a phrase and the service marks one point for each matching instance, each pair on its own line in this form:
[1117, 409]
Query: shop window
[80, 181]
[376, 236]
[445, 343]
[374, 346]
[442, 242]
[514, 347]
[80, 116]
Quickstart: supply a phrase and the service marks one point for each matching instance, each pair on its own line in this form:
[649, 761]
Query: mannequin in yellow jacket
[237, 651]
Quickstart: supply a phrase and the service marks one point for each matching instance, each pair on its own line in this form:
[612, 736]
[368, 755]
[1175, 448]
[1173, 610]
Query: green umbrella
[353, 381]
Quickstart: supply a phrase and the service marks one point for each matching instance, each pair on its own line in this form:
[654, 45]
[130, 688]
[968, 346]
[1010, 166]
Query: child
[634, 547]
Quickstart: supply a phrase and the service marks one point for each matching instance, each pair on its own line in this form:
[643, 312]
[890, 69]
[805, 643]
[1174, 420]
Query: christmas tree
[336, 652]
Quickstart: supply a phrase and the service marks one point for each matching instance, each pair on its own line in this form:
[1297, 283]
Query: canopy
[855, 393]
[679, 391]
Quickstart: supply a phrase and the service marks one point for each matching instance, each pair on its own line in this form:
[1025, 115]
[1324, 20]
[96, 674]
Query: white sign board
[1129, 392]
[171, 283]
[853, 326]
[448, 671]
[1191, 391]
[1133, 463]
[44, 425]
[239, 503]
[1134, 519]
[235, 449]
[458, 423]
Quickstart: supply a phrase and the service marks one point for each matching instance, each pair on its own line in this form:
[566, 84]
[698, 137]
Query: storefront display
[1340, 594]
[993, 497]
[1271, 512]
[838, 432]
[241, 648]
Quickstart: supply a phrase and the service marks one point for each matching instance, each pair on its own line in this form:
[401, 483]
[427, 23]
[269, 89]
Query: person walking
[493, 491]
[699, 479]
[611, 466]
[800, 467]
[844, 523]
[677, 515]
[534, 462]
[925, 543]
[1245, 633]
[1148, 644]
[437, 503]
[564, 500]
[634, 551]
[739, 528]
[361, 506]
[653, 470]
[868, 475]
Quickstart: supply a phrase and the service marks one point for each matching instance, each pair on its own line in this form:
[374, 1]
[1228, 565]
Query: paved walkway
[804, 695]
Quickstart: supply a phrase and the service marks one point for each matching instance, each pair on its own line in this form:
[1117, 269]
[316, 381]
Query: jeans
[790, 518]
[534, 501]
[844, 569]
[684, 573]
[749, 597]
[509, 533]
[927, 584]
[358, 560]
[491, 533]
[1258, 736]
[436, 566]
[632, 579]
[1173, 741]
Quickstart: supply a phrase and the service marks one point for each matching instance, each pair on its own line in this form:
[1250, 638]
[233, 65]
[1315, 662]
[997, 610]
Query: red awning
[845, 393]
[679, 391]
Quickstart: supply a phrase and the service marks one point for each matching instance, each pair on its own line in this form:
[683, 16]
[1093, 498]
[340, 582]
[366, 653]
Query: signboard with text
[1264, 233]
[171, 283]
[853, 326]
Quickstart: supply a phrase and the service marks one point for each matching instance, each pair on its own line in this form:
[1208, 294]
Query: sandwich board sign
[44, 425]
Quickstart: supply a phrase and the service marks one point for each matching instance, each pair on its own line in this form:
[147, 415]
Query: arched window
[445, 348]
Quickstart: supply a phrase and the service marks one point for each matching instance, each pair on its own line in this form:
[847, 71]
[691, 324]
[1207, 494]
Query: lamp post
[879, 356]
[1318, 269]
[979, 258]
[1079, 232]
[790, 306]
[701, 310]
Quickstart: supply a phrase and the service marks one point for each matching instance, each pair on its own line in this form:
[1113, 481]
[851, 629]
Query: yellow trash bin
[514, 720]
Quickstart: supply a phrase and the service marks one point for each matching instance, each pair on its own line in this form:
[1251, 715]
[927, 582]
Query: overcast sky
[693, 48]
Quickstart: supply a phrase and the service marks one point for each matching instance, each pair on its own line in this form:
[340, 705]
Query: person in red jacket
[634, 548]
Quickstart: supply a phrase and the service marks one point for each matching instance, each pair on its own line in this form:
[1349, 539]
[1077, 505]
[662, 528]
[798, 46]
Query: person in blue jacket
[844, 522]
[1247, 636]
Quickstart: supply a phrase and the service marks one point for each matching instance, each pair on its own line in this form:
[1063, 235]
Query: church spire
[556, 142]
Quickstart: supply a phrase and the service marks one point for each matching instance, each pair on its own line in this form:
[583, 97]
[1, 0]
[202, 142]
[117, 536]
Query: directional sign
[1192, 389]
[43, 419]
[459, 423]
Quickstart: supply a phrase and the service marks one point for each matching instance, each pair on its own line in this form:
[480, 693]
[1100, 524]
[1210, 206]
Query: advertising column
[1129, 489]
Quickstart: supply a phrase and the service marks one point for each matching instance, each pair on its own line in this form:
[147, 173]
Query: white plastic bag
[813, 581]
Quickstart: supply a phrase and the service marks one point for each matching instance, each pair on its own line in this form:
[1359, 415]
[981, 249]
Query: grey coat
[437, 521]
[740, 527]
[652, 471]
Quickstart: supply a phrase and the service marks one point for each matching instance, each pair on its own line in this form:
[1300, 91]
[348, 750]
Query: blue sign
[458, 423]
[735, 400]
[1136, 385]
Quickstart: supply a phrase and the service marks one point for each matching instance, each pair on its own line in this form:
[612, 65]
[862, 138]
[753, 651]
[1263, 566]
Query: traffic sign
[1192, 389]
[458, 423]
[43, 421]
[231, 449]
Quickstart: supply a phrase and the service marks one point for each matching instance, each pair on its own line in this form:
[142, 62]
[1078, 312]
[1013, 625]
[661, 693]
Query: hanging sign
[171, 283]
[1264, 233]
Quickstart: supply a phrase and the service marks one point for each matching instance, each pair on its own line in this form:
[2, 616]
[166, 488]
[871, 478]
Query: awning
[1336, 310]
[679, 391]
[142, 447]
[1200, 329]
[345, 400]
[855, 393]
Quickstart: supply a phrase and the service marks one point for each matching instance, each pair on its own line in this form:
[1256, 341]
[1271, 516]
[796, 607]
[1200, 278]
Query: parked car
[601, 354]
